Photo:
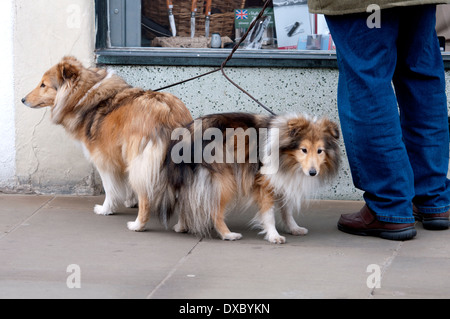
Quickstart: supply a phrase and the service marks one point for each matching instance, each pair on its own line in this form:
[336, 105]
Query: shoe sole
[401, 234]
[433, 223]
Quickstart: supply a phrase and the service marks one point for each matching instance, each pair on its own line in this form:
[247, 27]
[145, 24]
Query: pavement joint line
[26, 219]
[173, 270]
[386, 265]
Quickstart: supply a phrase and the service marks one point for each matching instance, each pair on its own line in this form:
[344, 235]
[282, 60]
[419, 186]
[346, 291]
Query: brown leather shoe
[432, 221]
[365, 223]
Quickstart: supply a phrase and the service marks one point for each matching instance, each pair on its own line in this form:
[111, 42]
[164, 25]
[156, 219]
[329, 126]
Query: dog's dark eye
[304, 150]
[319, 151]
[42, 85]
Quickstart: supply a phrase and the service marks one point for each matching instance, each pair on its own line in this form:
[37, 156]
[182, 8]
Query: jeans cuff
[396, 219]
[433, 210]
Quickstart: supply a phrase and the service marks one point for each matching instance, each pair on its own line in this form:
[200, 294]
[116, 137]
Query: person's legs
[419, 82]
[369, 114]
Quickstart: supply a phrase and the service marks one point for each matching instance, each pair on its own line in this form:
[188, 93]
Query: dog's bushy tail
[164, 201]
[198, 201]
[197, 196]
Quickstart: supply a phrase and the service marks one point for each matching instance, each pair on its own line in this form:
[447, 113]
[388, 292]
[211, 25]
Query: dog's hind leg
[143, 214]
[223, 230]
[181, 226]
[143, 174]
[219, 218]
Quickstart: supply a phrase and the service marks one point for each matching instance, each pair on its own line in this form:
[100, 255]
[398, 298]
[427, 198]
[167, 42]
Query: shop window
[203, 32]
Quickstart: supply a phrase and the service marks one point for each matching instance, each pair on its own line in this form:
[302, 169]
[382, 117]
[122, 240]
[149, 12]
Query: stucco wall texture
[310, 91]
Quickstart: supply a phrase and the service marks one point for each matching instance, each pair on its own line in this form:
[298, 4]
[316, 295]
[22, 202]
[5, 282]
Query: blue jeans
[393, 110]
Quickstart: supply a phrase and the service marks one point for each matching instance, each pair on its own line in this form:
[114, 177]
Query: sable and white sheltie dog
[124, 132]
[212, 165]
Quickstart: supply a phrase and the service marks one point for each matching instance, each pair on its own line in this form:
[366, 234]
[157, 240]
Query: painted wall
[7, 124]
[46, 159]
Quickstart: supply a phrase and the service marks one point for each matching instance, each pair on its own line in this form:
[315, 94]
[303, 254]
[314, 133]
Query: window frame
[207, 57]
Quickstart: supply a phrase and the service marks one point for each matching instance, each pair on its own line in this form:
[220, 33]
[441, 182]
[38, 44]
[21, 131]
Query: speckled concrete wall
[311, 91]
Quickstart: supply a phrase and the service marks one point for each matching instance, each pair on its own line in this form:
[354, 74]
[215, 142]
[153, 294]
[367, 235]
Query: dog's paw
[299, 231]
[276, 239]
[232, 236]
[101, 210]
[135, 226]
[180, 228]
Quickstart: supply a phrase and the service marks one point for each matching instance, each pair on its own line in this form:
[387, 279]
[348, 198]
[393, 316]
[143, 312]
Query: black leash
[252, 25]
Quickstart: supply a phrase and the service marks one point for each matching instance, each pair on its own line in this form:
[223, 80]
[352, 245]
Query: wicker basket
[221, 20]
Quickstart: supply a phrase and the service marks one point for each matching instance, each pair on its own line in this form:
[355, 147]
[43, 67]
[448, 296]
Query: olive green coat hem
[340, 7]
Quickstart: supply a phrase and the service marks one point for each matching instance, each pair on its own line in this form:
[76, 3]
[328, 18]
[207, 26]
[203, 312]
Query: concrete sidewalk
[48, 243]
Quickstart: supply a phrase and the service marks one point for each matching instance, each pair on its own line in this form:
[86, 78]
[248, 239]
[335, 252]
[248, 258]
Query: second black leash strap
[252, 25]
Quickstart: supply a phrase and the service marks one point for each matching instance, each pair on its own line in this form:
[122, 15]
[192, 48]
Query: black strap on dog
[222, 67]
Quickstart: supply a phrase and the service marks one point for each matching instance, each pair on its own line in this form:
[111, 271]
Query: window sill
[215, 57]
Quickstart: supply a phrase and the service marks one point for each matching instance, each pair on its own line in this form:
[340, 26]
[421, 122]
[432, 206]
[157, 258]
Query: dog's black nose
[312, 172]
[23, 100]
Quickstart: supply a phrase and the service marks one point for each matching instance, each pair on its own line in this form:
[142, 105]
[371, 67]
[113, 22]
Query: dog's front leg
[267, 219]
[107, 208]
[110, 184]
[290, 223]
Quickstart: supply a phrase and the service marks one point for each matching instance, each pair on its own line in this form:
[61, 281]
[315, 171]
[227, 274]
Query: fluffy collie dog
[213, 165]
[124, 132]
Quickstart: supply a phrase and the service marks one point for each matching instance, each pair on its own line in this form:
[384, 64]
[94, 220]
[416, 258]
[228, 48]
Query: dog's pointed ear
[69, 68]
[331, 128]
[297, 125]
